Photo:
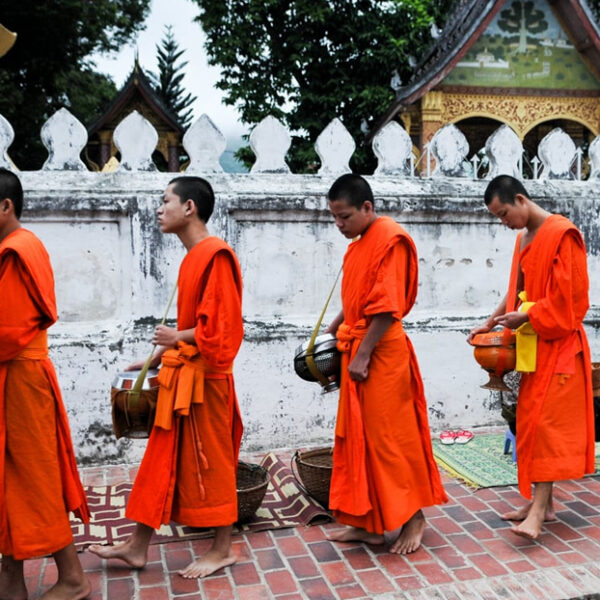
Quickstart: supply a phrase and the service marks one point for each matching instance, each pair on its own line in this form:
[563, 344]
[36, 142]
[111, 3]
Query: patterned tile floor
[468, 553]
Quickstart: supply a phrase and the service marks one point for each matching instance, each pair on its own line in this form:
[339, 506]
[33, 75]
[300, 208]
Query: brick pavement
[468, 553]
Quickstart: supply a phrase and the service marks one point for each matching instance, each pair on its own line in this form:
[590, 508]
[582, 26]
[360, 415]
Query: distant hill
[230, 164]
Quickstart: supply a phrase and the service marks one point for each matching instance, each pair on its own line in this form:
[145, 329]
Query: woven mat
[284, 505]
[481, 462]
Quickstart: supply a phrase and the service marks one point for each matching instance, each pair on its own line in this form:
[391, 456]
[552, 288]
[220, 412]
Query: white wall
[115, 270]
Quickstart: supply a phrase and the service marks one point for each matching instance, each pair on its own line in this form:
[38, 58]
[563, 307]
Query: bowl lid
[494, 338]
[325, 341]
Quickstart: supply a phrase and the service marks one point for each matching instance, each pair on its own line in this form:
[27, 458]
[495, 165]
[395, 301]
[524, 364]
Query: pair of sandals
[461, 436]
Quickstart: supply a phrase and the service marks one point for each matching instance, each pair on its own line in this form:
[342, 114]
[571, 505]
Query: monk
[39, 483]
[188, 472]
[547, 299]
[384, 472]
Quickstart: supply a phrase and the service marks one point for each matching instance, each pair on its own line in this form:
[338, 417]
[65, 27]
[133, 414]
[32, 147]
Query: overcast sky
[199, 76]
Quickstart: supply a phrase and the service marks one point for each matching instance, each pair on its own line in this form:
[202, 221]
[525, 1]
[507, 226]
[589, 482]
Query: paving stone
[303, 567]
[572, 518]
[359, 558]
[433, 573]
[217, 588]
[268, 559]
[292, 546]
[449, 556]
[244, 573]
[317, 589]
[281, 582]
[324, 551]
[345, 592]
[465, 543]
[337, 573]
[375, 581]
[488, 565]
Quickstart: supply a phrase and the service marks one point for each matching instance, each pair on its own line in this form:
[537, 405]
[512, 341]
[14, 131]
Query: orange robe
[383, 465]
[555, 410]
[188, 473]
[39, 482]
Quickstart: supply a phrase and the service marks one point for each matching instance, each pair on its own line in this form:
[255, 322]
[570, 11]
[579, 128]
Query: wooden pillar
[173, 151]
[105, 137]
[432, 107]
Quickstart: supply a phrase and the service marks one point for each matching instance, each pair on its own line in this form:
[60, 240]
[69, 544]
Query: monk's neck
[537, 218]
[364, 231]
[193, 234]
[9, 228]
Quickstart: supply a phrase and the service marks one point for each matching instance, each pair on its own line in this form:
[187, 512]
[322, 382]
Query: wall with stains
[114, 272]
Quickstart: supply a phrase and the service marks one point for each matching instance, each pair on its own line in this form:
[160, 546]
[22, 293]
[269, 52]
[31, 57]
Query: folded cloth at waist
[181, 378]
[37, 349]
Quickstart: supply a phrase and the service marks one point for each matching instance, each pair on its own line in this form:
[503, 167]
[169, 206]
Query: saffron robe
[188, 472]
[555, 410]
[39, 482]
[383, 465]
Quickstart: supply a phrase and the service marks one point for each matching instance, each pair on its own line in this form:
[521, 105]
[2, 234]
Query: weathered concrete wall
[114, 272]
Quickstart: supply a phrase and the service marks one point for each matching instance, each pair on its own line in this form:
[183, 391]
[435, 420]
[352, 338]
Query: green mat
[481, 462]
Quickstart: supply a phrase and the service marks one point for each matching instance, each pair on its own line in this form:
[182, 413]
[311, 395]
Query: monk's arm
[562, 309]
[359, 367]
[489, 323]
[164, 338]
[333, 326]
[169, 336]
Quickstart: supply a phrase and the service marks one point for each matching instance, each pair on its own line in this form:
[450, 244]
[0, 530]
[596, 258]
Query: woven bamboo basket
[251, 482]
[314, 472]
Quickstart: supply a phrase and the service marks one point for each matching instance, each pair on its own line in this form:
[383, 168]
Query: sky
[200, 77]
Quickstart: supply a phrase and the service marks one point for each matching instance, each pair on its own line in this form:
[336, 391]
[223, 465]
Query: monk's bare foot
[410, 536]
[531, 527]
[12, 590]
[521, 514]
[207, 564]
[356, 534]
[135, 557]
[68, 591]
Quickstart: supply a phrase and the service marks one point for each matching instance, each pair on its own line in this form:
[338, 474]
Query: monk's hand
[487, 326]
[165, 336]
[359, 367]
[512, 320]
[136, 366]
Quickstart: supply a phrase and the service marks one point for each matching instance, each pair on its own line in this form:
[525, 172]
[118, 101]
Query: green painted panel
[524, 46]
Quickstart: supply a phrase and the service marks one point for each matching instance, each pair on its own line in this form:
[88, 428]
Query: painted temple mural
[524, 46]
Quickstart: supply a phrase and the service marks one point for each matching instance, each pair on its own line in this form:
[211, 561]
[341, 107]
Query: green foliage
[49, 66]
[168, 81]
[306, 62]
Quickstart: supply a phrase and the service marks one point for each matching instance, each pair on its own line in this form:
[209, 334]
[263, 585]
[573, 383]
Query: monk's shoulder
[25, 244]
[558, 227]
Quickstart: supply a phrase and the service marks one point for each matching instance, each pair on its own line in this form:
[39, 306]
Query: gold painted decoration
[522, 113]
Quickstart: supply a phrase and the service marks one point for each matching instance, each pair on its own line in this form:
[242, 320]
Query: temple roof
[468, 22]
[137, 88]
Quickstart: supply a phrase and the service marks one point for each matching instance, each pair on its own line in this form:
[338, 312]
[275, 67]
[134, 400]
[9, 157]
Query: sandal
[447, 437]
[464, 436]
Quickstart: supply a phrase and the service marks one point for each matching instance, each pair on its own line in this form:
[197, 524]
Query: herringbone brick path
[468, 553]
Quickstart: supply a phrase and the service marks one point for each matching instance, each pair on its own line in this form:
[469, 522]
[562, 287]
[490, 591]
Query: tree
[49, 66]
[522, 18]
[306, 62]
[168, 81]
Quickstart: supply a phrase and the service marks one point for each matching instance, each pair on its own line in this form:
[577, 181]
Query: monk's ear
[6, 205]
[520, 199]
[368, 206]
[190, 207]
